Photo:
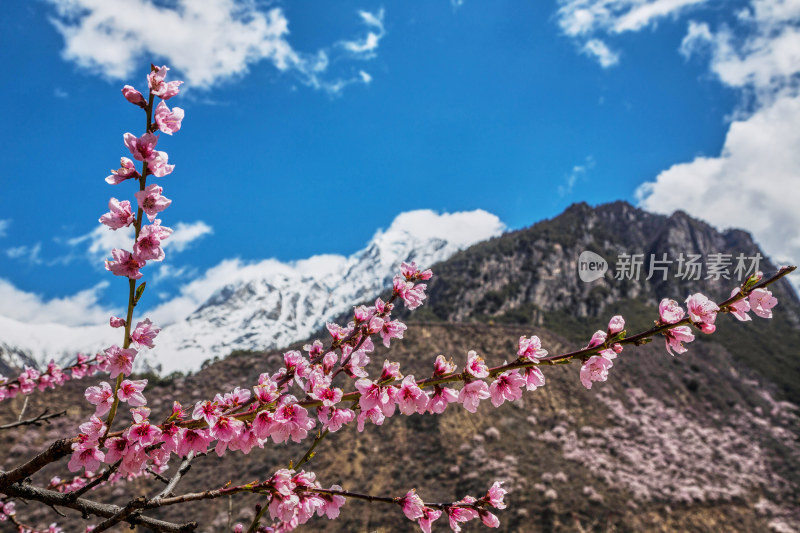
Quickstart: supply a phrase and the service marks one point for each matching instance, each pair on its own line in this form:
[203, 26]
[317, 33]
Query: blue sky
[306, 142]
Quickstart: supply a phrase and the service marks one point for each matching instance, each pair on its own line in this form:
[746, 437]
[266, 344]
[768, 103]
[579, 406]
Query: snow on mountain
[284, 303]
[265, 304]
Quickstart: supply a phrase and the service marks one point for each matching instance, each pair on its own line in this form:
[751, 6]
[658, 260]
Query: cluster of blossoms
[31, 379]
[147, 246]
[596, 367]
[676, 325]
[464, 510]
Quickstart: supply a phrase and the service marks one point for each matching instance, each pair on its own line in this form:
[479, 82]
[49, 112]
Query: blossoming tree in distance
[316, 391]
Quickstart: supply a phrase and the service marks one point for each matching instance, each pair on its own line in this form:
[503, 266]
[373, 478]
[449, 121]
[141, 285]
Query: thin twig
[74, 495]
[24, 407]
[171, 483]
[121, 515]
[37, 420]
[162, 479]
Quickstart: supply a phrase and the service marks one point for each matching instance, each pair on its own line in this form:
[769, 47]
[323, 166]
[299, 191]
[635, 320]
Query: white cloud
[753, 184]
[601, 52]
[365, 48]
[58, 92]
[586, 17]
[698, 37]
[27, 254]
[79, 309]
[98, 243]
[165, 271]
[587, 20]
[755, 181]
[4, 225]
[766, 58]
[208, 42]
[462, 229]
[578, 171]
[185, 234]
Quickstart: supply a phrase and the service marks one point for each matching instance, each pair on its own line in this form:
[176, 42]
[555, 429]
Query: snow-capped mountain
[266, 304]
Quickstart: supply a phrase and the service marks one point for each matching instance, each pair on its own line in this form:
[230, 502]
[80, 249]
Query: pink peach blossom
[333, 419]
[531, 348]
[410, 398]
[411, 272]
[761, 302]
[595, 369]
[375, 415]
[226, 428]
[534, 378]
[669, 311]
[291, 420]
[143, 433]
[93, 429]
[124, 264]
[392, 329]
[332, 503]
[208, 411]
[442, 367]
[495, 494]
[701, 309]
[440, 398]
[119, 215]
[412, 505]
[131, 391]
[160, 88]
[142, 148]
[151, 201]
[134, 96]
[598, 338]
[740, 308]
[374, 395]
[391, 370]
[675, 338]
[428, 517]
[126, 171]
[472, 393]
[148, 245]
[168, 121]
[458, 515]
[158, 165]
[476, 367]
[144, 333]
[507, 386]
[120, 360]
[616, 324]
[85, 456]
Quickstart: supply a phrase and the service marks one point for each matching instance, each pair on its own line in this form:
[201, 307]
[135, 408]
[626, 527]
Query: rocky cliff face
[538, 266]
[531, 277]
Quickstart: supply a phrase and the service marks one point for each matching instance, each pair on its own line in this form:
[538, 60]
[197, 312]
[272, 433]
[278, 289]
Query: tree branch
[54, 452]
[37, 420]
[89, 507]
